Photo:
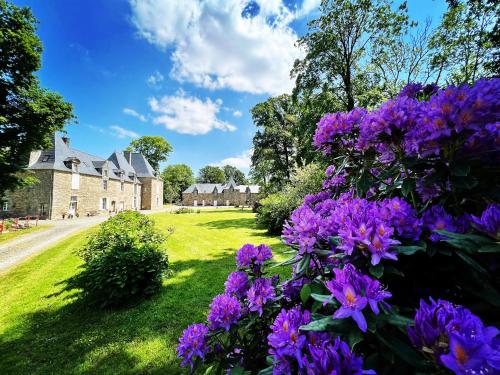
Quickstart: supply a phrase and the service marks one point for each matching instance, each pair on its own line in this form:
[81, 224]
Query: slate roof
[209, 188]
[60, 152]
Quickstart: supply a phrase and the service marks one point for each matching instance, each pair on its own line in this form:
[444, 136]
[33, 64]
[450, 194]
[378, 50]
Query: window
[75, 181]
[105, 171]
[74, 167]
[104, 203]
[43, 209]
[45, 158]
[135, 188]
[122, 186]
[73, 202]
[157, 201]
[134, 203]
[5, 206]
[105, 184]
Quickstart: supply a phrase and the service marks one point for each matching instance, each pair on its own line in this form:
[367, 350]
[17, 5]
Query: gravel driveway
[16, 250]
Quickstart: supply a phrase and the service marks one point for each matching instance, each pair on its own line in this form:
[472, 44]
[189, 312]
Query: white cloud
[241, 161]
[134, 113]
[155, 79]
[120, 132]
[188, 115]
[237, 114]
[215, 47]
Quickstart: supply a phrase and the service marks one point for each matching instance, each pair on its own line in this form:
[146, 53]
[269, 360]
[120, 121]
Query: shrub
[395, 262]
[275, 209]
[184, 210]
[124, 260]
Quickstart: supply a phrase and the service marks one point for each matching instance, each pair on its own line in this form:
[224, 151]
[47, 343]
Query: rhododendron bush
[395, 264]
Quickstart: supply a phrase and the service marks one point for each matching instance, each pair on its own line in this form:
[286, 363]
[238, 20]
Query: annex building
[228, 194]
[74, 183]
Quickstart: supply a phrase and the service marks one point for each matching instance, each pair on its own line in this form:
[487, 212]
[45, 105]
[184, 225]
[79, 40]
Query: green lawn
[10, 235]
[46, 330]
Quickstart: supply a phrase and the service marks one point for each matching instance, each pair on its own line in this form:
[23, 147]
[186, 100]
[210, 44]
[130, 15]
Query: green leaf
[466, 183]
[377, 270]
[404, 351]
[396, 320]
[318, 325]
[266, 371]
[305, 293]
[354, 337]
[363, 184]
[409, 250]
[459, 169]
[472, 263]
[494, 247]
[303, 264]
[292, 260]
[408, 186]
[322, 298]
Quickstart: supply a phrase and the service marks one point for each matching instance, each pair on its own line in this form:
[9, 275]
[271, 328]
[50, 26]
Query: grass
[11, 235]
[44, 329]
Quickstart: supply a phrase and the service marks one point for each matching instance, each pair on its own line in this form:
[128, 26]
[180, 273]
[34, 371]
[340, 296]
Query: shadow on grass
[78, 339]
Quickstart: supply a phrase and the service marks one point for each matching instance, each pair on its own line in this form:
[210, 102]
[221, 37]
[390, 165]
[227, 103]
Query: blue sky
[184, 69]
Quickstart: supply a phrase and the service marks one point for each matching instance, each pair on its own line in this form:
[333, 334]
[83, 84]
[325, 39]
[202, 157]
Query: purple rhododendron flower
[225, 310]
[489, 222]
[334, 357]
[286, 340]
[436, 218]
[457, 338]
[354, 291]
[237, 283]
[259, 294]
[245, 255]
[193, 344]
[249, 255]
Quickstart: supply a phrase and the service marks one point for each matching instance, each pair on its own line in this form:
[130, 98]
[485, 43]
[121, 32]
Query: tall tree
[29, 114]
[274, 143]
[237, 175]
[176, 179]
[154, 147]
[466, 41]
[340, 45]
[211, 175]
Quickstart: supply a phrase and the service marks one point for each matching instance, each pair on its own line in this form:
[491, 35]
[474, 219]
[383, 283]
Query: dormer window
[45, 158]
[195, 191]
[74, 167]
[105, 172]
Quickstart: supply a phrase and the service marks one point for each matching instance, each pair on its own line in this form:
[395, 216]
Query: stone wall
[152, 193]
[235, 198]
[34, 200]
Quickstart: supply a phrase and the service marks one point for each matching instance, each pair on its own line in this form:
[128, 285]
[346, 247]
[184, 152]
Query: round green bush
[124, 261]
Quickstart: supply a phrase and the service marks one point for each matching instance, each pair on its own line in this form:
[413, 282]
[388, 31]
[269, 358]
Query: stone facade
[89, 185]
[228, 194]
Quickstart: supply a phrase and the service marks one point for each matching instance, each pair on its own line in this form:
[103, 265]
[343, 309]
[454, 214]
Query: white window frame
[105, 185]
[104, 204]
[75, 180]
[5, 206]
[122, 186]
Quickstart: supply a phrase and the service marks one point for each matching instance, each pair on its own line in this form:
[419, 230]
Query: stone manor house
[75, 183]
[228, 194]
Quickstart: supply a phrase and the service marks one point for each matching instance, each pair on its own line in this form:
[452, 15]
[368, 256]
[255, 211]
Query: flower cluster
[309, 352]
[243, 294]
[250, 256]
[422, 128]
[259, 294]
[354, 291]
[489, 222]
[237, 284]
[225, 310]
[193, 344]
[368, 226]
[457, 338]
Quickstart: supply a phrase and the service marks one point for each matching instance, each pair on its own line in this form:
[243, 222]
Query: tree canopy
[176, 179]
[29, 114]
[154, 147]
[233, 172]
[211, 175]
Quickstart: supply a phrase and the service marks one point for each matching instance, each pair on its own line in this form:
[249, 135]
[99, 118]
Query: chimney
[65, 139]
[128, 156]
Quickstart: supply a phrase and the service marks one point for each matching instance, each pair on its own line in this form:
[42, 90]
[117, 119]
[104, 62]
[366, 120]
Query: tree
[212, 175]
[29, 114]
[155, 149]
[466, 42]
[341, 44]
[274, 156]
[237, 175]
[176, 179]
